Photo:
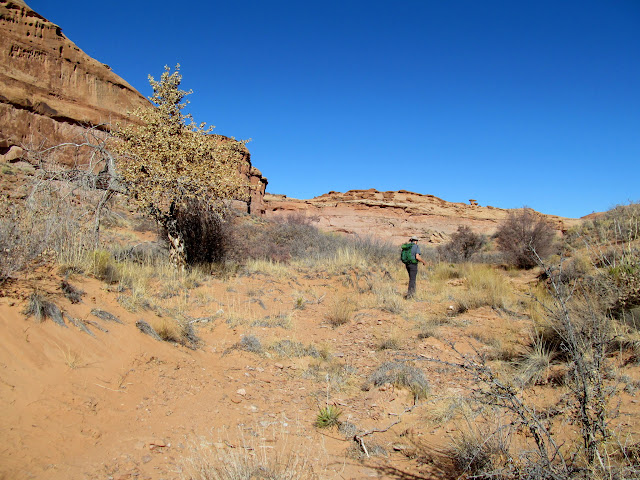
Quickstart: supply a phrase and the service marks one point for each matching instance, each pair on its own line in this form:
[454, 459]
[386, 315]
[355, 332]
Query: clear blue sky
[512, 103]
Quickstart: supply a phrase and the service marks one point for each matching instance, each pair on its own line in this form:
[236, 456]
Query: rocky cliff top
[395, 216]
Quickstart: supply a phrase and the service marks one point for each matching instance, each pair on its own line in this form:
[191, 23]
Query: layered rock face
[51, 91]
[394, 216]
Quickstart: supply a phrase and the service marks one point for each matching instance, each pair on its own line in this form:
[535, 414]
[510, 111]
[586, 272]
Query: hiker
[410, 256]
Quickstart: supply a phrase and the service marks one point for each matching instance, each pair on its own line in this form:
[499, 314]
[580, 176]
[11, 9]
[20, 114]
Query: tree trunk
[177, 252]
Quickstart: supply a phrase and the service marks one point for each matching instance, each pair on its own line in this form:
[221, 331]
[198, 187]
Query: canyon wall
[51, 91]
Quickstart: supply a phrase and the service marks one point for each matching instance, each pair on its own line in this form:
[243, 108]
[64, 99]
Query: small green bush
[328, 416]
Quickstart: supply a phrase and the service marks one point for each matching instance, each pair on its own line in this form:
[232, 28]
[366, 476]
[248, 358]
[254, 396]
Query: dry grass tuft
[485, 287]
[429, 326]
[175, 331]
[390, 343]
[338, 376]
[105, 267]
[282, 320]
[291, 349]
[388, 299]
[246, 461]
[41, 308]
[168, 329]
[341, 311]
[401, 374]
[71, 358]
[479, 454]
[268, 267]
[534, 367]
[447, 409]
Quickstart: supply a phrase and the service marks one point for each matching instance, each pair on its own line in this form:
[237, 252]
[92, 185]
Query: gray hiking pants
[412, 270]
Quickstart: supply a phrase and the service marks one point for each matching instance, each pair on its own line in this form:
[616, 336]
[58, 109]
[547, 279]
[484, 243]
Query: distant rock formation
[394, 216]
[51, 91]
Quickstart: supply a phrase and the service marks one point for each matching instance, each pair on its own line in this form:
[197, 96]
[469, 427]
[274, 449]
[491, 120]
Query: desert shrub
[44, 223]
[279, 240]
[250, 343]
[376, 252]
[295, 237]
[462, 245]
[577, 332]
[618, 224]
[401, 374]
[525, 238]
[166, 160]
[611, 271]
[282, 320]
[623, 285]
[18, 246]
[204, 232]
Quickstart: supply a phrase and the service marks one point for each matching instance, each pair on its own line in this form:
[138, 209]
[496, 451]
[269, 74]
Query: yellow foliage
[169, 159]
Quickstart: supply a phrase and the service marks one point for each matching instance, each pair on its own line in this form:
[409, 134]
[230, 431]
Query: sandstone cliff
[51, 91]
[50, 88]
[394, 216]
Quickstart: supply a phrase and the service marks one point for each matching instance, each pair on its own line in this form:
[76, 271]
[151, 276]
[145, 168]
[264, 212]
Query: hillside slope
[395, 216]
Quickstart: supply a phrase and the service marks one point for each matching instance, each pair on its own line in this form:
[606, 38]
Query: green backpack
[406, 256]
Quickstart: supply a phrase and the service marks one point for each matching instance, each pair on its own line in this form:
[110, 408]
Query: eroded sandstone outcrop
[50, 88]
[51, 91]
[394, 216]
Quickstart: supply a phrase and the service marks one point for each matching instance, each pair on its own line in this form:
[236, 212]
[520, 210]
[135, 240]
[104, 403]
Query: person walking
[411, 256]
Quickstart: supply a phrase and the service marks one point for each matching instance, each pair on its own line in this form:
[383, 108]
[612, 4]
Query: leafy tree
[525, 238]
[169, 161]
